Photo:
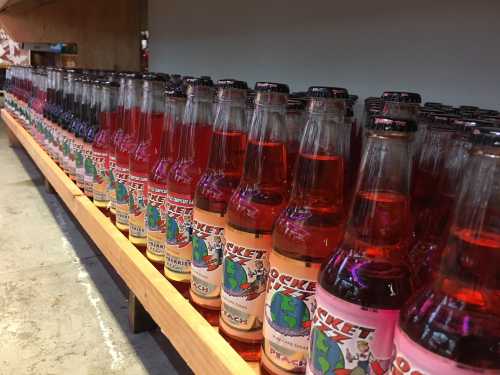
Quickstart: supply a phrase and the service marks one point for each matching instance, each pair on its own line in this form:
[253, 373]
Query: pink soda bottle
[367, 280]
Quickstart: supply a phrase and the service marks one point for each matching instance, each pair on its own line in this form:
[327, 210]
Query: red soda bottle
[144, 152]
[81, 130]
[73, 126]
[252, 211]
[295, 122]
[124, 146]
[116, 137]
[366, 281]
[88, 140]
[452, 326]
[102, 143]
[428, 169]
[196, 132]
[175, 101]
[304, 234]
[216, 185]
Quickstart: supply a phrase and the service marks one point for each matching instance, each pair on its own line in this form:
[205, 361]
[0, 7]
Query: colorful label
[178, 250]
[246, 268]
[88, 166]
[79, 168]
[288, 312]
[412, 359]
[122, 196]
[100, 184]
[138, 193]
[349, 337]
[156, 222]
[71, 156]
[208, 248]
[65, 150]
[112, 184]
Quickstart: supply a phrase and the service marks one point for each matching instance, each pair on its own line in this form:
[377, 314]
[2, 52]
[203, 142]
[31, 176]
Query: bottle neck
[174, 111]
[266, 156]
[229, 138]
[400, 111]
[469, 265]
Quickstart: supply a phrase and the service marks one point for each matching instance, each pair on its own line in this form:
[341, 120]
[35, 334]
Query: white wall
[447, 50]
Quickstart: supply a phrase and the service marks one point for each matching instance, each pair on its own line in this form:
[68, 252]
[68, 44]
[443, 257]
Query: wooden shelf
[201, 346]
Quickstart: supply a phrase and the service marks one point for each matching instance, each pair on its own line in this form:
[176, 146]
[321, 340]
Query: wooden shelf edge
[203, 349]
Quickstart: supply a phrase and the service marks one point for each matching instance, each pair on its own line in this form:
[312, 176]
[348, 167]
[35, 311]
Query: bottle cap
[201, 81]
[133, 75]
[433, 104]
[177, 91]
[154, 76]
[327, 92]
[229, 83]
[272, 87]
[109, 83]
[401, 97]
[486, 136]
[443, 121]
[388, 124]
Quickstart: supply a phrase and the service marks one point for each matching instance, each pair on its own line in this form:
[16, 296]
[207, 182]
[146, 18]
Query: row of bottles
[317, 243]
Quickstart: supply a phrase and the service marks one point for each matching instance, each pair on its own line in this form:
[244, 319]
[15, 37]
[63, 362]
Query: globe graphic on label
[234, 277]
[326, 356]
[289, 312]
[121, 193]
[199, 252]
[153, 218]
[172, 231]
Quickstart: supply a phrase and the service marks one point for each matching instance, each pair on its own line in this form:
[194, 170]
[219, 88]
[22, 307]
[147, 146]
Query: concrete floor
[63, 310]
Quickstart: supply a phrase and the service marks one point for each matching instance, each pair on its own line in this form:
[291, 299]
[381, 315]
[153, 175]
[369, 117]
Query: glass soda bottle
[304, 235]
[73, 127]
[124, 145]
[425, 255]
[80, 131]
[88, 139]
[67, 117]
[452, 326]
[219, 180]
[253, 208]
[196, 132]
[295, 122]
[366, 281]
[102, 143]
[145, 151]
[116, 136]
[175, 102]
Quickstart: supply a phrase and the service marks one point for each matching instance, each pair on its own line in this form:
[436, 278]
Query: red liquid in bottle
[455, 319]
[182, 180]
[115, 139]
[252, 211]
[158, 178]
[219, 180]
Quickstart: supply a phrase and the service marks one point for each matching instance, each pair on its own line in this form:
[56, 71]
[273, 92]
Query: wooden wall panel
[106, 32]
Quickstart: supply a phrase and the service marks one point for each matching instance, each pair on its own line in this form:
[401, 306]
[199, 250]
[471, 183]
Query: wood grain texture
[203, 349]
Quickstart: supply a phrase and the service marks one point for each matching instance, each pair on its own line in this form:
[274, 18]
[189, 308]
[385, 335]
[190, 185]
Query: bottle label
[157, 222]
[100, 185]
[138, 190]
[246, 268]
[412, 359]
[71, 156]
[79, 169]
[208, 246]
[349, 337]
[178, 250]
[111, 183]
[89, 168]
[122, 196]
[288, 312]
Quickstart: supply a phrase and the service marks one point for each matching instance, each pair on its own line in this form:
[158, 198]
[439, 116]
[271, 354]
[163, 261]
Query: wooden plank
[203, 349]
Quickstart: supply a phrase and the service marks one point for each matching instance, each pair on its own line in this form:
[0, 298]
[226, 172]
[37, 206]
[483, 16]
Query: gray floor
[62, 308]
